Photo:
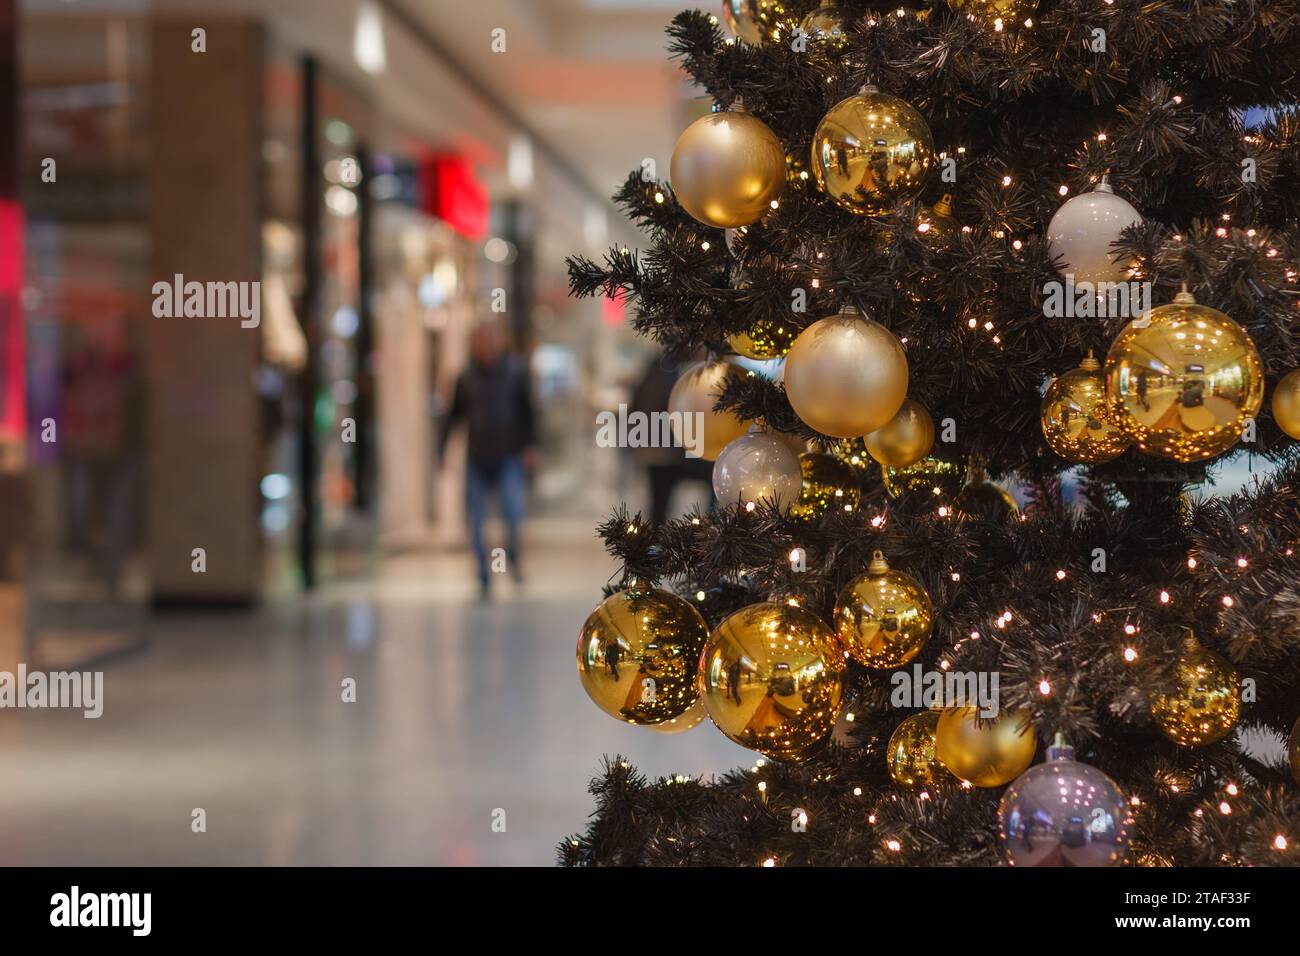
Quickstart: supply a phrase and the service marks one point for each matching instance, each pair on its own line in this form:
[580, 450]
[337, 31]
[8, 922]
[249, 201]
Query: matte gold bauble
[931, 476]
[846, 375]
[770, 678]
[766, 339]
[910, 758]
[871, 152]
[1286, 403]
[828, 484]
[1293, 751]
[727, 168]
[1182, 379]
[987, 753]
[905, 439]
[750, 19]
[690, 407]
[995, 13]
[639, 654]
[883, 618]
[984, 499]
[1203, 702]
[1076, 419]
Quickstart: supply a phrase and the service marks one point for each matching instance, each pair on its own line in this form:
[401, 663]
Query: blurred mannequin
[493, 397]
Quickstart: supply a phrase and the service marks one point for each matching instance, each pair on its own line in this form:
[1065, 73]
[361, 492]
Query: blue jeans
[506, 480]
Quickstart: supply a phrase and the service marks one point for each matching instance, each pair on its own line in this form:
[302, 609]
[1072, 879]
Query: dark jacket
[496, 403]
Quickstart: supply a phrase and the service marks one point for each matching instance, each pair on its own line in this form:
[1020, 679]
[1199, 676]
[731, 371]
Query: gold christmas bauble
[905, 439]
[750, 19]
[689, 719]
[727, 168]
[931, 476]
[1182, 379]
[828, 483]
[639, 654]
[988, 753]
[826, 25]
[984, 499]
[770, 678]
[871, 152]
[846, 375]
[1293, 751]
[910, 758]
[995, 13]
[696, 391]
[1286, 403]
[766, 339]
[853, 452]
[1076, 419]
[1203, 702]
[883, 618]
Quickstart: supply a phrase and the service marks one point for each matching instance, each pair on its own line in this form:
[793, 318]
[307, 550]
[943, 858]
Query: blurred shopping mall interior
[238, 519]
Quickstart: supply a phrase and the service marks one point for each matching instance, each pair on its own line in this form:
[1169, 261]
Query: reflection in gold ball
[846, 375]
[727, 168]
[750, 19]
[990, 753]
[930, 476]
[871, 152]
[910, 757]
[690, 718]
[1182, 380]
[853, 452]
[826, 25]
[984, 499]
[883, 617]
[1203, 703]
[1286, 403]
[770, 678]
[905, 439]
[696, 390]
[1075, 417]
[638, 655]
[995, 13]
[766, 339]
[827, 483]
[1293, 751]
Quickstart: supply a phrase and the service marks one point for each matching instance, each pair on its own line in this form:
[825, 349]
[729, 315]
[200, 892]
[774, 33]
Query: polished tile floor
[462, 710]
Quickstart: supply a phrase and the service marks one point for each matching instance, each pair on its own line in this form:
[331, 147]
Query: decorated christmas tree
[1024, 278]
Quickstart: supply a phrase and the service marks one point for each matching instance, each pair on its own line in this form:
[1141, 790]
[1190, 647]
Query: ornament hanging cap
[944, 206]
[878, 563]
[1185, 297]
[868, 88]
[1089, 362]
[848, 309]
[1060, 750]
[1104, 186]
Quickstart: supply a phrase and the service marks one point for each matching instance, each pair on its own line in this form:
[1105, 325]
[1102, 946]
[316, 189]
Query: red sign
[454, 195]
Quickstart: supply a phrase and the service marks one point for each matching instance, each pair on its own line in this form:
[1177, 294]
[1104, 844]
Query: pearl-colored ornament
[757, 467]
[1082, 231]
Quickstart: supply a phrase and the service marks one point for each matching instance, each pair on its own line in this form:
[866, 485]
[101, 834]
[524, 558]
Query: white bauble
[1082, 231]
[757, 466]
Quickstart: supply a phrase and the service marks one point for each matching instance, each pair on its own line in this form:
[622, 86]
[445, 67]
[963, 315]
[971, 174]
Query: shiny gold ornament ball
[846, 375]
[638, 655]
[828, 484]
[905, 439]
[871, 152]
[696, 390]
[990, 753]
[1203, 703]
[750, 20]
[825, 25]
[883, 617]
[770, 678]
[984, 499]
[995, 13]
[1293, 751]
[910, 758]
[853, 452]
[930, 476]
[689, 719]
[727, 168]
[1182, 379]
[766, 339]
[1286, 403]
[1076, 419]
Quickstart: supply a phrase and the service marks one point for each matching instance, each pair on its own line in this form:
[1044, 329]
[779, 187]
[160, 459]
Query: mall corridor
[462, 709]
